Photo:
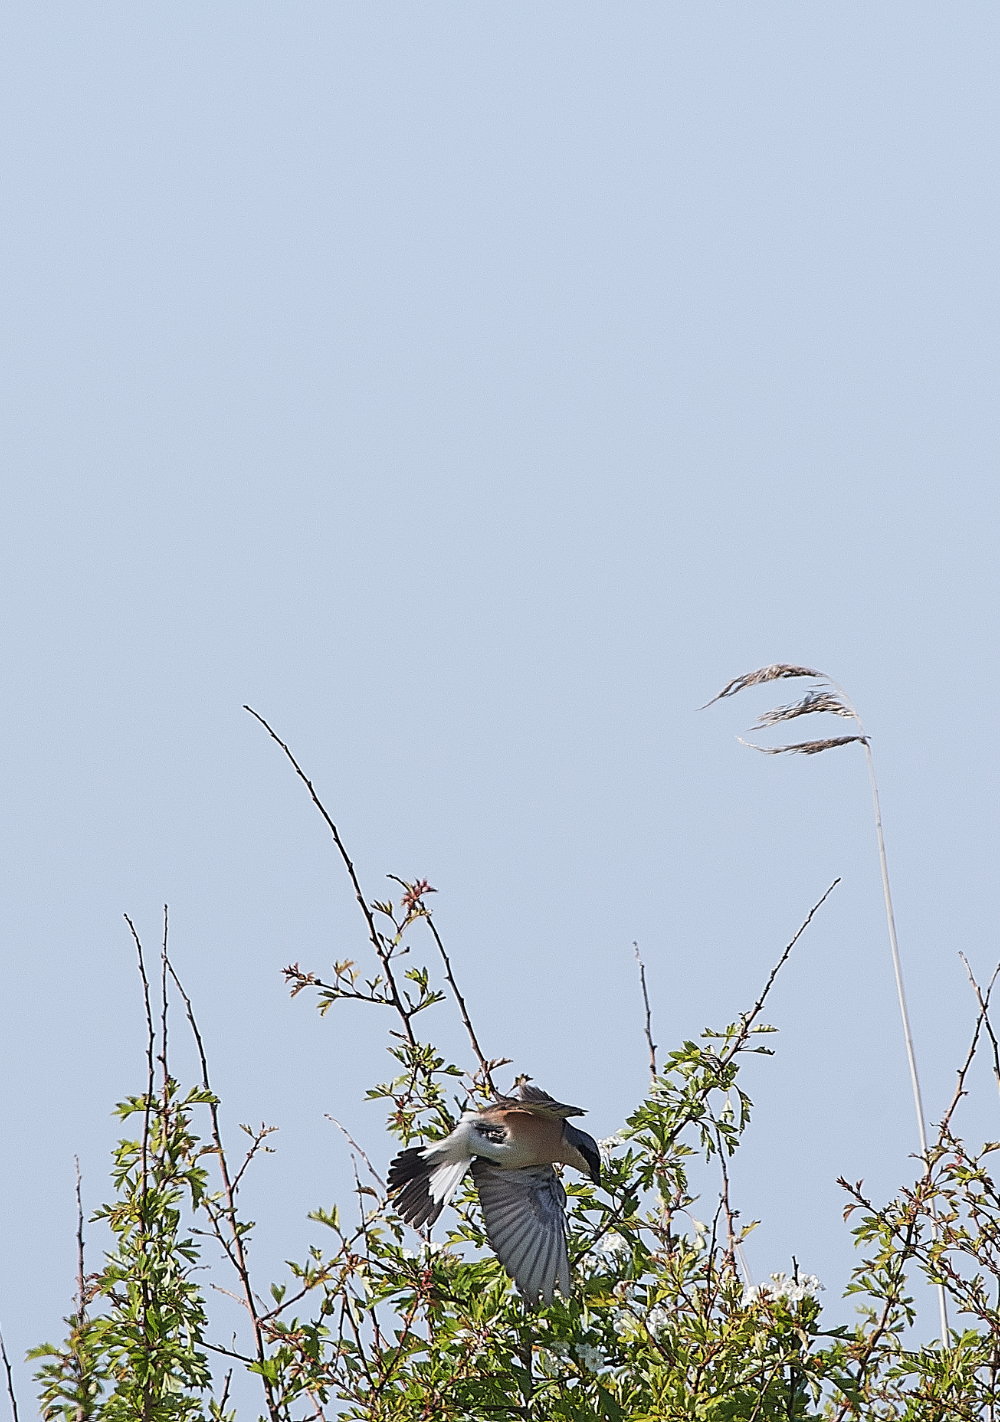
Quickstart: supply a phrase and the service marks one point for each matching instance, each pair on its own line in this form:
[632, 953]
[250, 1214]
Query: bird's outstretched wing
[526, 1226]
[537, 1101]
[422, 1186]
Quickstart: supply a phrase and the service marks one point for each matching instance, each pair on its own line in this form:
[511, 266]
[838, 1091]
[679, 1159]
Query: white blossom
[609, 1144]
[612, 1244]
[657, 1319]
[627, 1321]
[589, 1356]
[781, 1286]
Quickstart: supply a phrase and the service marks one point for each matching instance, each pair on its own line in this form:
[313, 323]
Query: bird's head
[586, 1147]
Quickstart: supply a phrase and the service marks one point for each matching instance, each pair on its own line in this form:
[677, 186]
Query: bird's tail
[421, 1186]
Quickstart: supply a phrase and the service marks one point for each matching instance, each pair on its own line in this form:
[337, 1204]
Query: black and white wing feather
[524, 1212]
[421, 1185]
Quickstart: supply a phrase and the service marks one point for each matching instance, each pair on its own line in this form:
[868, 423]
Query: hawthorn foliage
[380, 1325]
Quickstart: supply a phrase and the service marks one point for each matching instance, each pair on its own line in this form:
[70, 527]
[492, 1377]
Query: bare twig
[751, 1016]
[150, 1081]
[150, 1050]
[360, 1151]
[257, 1139]
[234, 1246]
[984, 1015]
[10, 1379]
[163, 1004]
[649, 1019]
[226, 1352]
[727, 1209]
[483, 1063]
[964, 1069]
[361, 1190]
[413, 902]
[373, 933]
[81, 1278]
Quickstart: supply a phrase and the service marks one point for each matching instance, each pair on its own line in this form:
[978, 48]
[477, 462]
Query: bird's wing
[420, 1187]
[526, 1226]
[538, 1102]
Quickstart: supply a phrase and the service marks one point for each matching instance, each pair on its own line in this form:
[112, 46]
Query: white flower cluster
[591, 1357]
[611, 1244]
[609, 1144]
[794, 1289]
[586, 1353]
[630, 1321]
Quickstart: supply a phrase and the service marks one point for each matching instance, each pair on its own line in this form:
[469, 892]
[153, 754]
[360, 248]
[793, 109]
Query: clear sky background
[474, 389]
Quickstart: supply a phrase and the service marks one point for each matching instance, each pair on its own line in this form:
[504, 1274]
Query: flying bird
[511, 1146]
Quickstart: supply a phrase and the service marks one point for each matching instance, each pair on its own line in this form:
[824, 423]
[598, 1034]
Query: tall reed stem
[897, 968]
[815, 702]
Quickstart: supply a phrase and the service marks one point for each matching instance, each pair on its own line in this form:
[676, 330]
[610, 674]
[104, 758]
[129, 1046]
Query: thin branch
[163, 1004]
[150, 1050]
[373, 933]
[238, 1254]
[962, 1074]
[758, 1005]
[257, 1139]
[150, 1080]
[10, 1378]
[483, 1063]
[359, 1190]
[226, 1352]
[984, 1013]
[81, 1278]
[727, 1209]
[355, 1146]
[649, 1018]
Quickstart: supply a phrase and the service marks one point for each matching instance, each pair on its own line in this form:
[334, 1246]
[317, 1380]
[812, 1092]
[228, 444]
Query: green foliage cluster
[662, 1322]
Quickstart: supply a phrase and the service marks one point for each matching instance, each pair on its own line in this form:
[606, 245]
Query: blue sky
[474, 390]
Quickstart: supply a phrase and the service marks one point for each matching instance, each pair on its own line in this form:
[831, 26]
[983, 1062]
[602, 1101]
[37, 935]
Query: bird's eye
[496, 1134]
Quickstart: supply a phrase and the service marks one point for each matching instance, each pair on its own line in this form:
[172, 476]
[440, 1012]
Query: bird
[511, 1146]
